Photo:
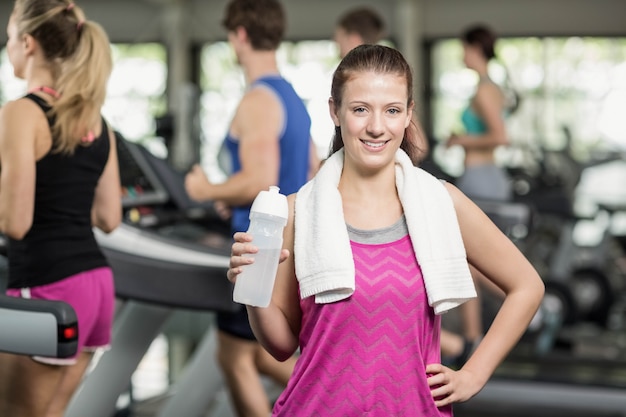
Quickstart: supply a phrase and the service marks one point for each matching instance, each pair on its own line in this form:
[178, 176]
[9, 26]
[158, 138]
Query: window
[574, 86]
[308, 65]
[10, 86]
[136, 89]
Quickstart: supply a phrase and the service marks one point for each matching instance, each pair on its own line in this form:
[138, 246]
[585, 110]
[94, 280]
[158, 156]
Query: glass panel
[567, 161]
[570, 88]
[308, 65]
[136, 90]
[11, 87]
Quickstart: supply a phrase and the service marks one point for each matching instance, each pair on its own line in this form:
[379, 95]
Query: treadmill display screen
[140, 185]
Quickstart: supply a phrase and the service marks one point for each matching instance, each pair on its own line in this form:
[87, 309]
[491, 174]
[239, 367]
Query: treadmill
[169, 253]
[35, 327]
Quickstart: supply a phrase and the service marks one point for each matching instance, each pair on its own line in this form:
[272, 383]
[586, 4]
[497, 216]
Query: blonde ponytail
[82, 87]
[80, 54]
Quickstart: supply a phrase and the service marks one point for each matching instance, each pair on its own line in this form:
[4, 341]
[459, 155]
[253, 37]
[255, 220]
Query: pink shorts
[92, 295]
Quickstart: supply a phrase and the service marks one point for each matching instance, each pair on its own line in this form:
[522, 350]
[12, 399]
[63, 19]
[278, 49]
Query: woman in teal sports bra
[482, 179]
[483, 120]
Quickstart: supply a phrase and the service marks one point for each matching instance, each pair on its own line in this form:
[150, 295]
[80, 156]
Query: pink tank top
[366, 355]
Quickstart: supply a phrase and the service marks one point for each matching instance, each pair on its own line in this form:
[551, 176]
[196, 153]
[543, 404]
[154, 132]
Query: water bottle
[268, 217]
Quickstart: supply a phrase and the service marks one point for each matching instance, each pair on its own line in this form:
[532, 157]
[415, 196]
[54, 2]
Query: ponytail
[80, 54]
[511, 95]
[82, 87]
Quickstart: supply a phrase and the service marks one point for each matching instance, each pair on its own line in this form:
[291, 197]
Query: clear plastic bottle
[268, 217]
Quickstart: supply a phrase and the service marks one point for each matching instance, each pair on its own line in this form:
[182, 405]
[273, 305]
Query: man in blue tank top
[269, 143]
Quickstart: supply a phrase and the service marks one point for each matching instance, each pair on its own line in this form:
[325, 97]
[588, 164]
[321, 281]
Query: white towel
[322, 252]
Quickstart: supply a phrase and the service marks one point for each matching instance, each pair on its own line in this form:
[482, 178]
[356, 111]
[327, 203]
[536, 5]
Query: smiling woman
[379, 101]
[370, 118]
[391, 269]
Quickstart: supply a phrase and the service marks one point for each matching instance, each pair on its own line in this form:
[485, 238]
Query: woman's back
[60, 241]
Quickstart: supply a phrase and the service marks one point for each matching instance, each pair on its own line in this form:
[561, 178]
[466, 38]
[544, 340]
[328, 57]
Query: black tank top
[60, 242]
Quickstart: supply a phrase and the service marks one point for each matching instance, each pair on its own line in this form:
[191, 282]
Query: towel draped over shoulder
[322, 253]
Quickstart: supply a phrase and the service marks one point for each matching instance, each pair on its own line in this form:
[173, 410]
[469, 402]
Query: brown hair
[381, 60]
[485, 39]
[80, 53]
[263, 20]
[482, 37]
[365, 22]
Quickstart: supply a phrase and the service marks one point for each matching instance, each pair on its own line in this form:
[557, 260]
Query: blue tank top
[294, 145]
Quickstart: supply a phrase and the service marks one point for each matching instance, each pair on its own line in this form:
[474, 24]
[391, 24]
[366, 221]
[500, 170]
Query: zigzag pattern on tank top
[365, 356]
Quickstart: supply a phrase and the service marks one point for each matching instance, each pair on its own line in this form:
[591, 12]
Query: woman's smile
[376, 145]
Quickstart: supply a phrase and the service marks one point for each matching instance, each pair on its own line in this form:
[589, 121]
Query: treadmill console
[154, 195]
[169, 250]
[140, 185]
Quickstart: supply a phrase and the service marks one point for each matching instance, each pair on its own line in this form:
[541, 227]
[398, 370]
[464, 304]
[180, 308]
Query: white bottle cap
[271, 202]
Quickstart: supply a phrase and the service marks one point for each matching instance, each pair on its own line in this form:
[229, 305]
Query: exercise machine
[169, 253]
[35, 327]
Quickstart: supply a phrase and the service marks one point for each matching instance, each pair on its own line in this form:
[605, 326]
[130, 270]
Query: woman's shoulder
[457, 196]
[488, 92]
[487, 86]
[21, 113]
[19, 105]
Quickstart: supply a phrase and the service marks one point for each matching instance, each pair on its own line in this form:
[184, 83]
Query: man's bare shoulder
[257, 98]
[259, 110]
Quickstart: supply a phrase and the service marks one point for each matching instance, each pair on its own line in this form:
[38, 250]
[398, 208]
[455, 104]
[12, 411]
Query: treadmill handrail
[134, 241]
[62, 311]
[38, 327]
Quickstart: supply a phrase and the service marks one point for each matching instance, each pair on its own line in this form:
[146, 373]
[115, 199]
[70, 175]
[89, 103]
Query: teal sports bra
[472, 122]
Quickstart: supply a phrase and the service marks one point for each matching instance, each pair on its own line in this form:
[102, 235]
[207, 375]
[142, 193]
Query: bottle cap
[271, 202]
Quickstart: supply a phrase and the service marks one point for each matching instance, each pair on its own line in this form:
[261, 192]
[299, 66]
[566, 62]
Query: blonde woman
[59, 178]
